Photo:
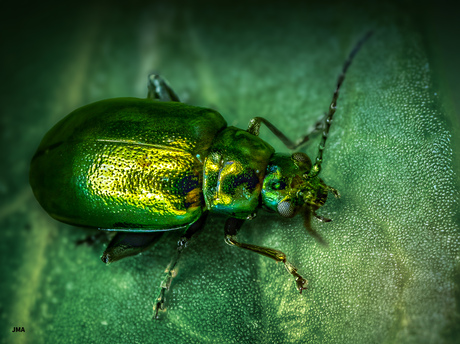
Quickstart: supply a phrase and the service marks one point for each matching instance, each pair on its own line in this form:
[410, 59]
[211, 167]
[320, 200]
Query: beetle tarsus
[165, 284]
[301, 282]
[170, 270]
[159, 304]
[105, 258]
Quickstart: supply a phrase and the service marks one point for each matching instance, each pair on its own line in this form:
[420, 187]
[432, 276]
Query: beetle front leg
[232, 226]
[256, 122]
[170, 273]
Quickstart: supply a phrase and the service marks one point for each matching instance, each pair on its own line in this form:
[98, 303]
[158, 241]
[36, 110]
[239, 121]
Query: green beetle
[140, 167]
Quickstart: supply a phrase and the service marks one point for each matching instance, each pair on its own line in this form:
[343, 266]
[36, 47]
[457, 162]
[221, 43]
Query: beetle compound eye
[301, 157]
[301, 160]
[286, 209]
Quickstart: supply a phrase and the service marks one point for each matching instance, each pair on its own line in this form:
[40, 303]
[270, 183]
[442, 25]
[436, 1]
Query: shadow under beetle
[140, 167]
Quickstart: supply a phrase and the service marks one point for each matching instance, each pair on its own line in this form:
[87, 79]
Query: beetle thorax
[234, 172]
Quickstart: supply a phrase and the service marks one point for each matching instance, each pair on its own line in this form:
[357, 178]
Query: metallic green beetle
[140, 167]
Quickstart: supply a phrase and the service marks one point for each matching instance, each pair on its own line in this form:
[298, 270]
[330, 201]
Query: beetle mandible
[140, 167]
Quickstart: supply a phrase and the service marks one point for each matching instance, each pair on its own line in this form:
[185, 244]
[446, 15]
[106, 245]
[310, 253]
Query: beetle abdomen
[126, 164]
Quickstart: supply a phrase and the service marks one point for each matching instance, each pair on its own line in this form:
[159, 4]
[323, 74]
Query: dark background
[391, 270]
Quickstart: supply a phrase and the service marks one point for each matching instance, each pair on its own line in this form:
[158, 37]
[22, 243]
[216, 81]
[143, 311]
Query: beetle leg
[306, 214]
[232, 226]
[170, 272]
[160, 90]
[256, 122]
[126, 244]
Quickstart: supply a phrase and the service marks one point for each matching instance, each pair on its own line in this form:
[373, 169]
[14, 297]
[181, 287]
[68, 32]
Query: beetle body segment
[126, 164]
[234, 172]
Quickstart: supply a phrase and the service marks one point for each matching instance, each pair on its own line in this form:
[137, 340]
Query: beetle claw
[159, 305]
[302, 283]
[107, 258]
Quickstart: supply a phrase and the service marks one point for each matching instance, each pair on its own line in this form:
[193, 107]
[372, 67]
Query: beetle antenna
[319, 158]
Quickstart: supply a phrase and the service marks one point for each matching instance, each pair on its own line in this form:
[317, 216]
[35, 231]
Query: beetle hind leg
[170, 270]
[126, 244]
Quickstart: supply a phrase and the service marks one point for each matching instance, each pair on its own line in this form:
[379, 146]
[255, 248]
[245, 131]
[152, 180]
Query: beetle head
[287, 188]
